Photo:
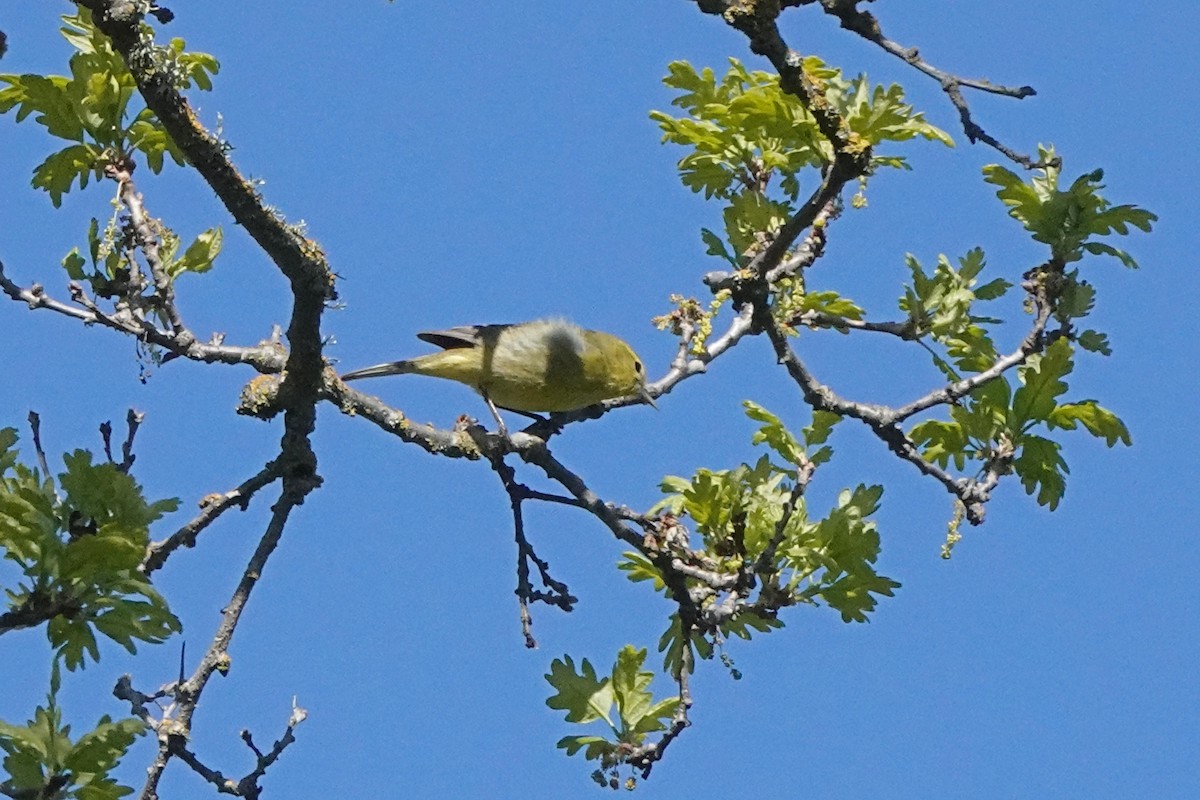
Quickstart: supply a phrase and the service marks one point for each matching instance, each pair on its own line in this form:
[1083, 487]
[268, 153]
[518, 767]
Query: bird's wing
[462, 336]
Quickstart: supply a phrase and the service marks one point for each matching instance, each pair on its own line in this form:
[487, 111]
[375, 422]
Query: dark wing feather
[463, 336]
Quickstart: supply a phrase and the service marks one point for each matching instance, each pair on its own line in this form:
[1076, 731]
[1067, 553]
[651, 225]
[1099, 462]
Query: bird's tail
[379, 370]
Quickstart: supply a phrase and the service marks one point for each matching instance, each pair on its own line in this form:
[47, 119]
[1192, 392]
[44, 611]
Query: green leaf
[74, 263]
[109, 550]
[199, 255]
[1042, 469]
[147, 135]
[594, 747]
[992, 290]
[716, 247]
[581, 694]
[107, 495]
[630, 686]
[672, 645]
[1099, 421]
[942, 305]
[741, 131]
[42, 761]
[639, 568]
[98, 788]
[1102, 249]
[1076, 299]
[8, 455]
[817, 433]
[941, 442]
[61, 170]
[1095, 342]
[47, 97]
[837, 556]
[744, 624]
[819, 430]
[73, 639]
[774, 434]
[34, 750]
[193, 69]
[881, 115]
[28, 524]
[751, 216]
[90, 106]
[1067, 220]
[830, 303]
[82, 553]
[656, 718]
[1042, 376]
[101, 749]
[853, 594]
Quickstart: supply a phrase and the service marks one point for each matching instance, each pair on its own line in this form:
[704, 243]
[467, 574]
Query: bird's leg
[496, 413]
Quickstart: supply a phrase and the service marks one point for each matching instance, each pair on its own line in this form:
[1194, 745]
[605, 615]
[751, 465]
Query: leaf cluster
[941, 305]
[111, 272]
[79, 548]
[753, 520]
[1067, 220]
[42, 760]
[752, 526]
[91, 108]
[750, 142]
[1000, 427]
[621, 699]
[793, 299]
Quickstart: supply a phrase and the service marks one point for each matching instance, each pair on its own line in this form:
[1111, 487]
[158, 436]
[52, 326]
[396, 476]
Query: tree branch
[645, 757]
[266, 357]
[880, 419]
[133, 420]
[173, 730]
[819, 319]
[559, 593]
[866, 25]
[144, 235]
[1034, 342]
[212, 506]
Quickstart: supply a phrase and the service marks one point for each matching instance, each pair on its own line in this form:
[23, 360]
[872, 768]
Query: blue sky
[464, 162]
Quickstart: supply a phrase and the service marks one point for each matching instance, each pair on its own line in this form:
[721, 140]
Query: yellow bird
[544, 365]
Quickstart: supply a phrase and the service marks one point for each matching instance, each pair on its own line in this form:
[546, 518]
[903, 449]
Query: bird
[544, 365]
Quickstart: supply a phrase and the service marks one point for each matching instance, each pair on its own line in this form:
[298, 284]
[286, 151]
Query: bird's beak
[648, 398]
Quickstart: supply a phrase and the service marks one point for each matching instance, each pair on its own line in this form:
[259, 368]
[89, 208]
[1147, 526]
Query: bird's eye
[637, 367]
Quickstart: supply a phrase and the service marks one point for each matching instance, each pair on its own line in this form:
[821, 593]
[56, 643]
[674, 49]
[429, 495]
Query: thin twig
[35, 428]
[248, 786]
[877, 417]
[266, 357]
[189, 692]
[212, 506]
[133, 419]
[818, 206]
[559, 593]
[819, 319]
[147, 241]
[534, 451]
[866, 25]
[688, 363]
[644, 757]
[1034, 342]
[42, 604]
[106, 440]
[546, 497]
